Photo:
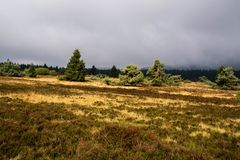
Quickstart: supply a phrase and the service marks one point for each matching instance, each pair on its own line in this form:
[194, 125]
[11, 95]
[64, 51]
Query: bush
[172, 79]
[42, 71]
[9, 68]
[112, 81]
[53, 73]
[107, 81]
[131, 75]
[31, 71]
[205, 80]
[62, 77]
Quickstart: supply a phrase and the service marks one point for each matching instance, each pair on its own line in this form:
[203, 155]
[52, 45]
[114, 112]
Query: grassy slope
[48, 119]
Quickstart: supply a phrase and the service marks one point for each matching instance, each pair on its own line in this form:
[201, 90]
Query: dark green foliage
[93, 70]
[75, 70]
[114, 72]
[156, 73]
[205, 80]
[42, 71]
[172, 79]
[11, 69]
[131, 75]
[226, 78]
[32, 72]
[157, 76]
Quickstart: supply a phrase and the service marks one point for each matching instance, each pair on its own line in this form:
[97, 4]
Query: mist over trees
[155, 75]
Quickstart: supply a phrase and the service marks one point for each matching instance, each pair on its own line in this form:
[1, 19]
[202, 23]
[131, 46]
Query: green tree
[32, 72]
[156, 73]
[114, 72]
[93, 70]
[75, 70]
[226, 78]
[9, 68]
[131, 75]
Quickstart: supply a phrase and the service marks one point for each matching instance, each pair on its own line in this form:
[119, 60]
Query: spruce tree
[32, 72]
[226, 78]
[156, 73]
[114, 72]
[75, 70]
[93, 70]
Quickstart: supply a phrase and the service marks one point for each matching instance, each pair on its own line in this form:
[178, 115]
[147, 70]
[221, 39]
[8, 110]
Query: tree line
[156, 75]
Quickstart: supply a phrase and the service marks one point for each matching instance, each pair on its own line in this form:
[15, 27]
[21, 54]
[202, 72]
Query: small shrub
[205, 80]
[238, 96]
[98, 77]
[107, 81]
[42, 71]
[173, 80]
[112, 81]
[53, 73]
[62, 77]
[187, 81]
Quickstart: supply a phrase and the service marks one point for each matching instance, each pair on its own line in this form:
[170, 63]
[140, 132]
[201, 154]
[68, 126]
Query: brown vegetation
[45, 118]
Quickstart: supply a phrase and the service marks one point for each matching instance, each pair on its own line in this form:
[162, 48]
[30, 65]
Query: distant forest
[192, 75]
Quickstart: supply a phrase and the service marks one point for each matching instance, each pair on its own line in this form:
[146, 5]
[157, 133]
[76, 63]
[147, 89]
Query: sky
[181, 33]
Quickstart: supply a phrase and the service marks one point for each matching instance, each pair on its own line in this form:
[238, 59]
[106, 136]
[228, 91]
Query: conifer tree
[75, 70]
[156, 73]
[226, 78]
[32, 72]
[114, 72]
[93, 70]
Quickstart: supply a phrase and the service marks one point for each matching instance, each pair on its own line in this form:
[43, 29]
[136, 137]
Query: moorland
[45, 118]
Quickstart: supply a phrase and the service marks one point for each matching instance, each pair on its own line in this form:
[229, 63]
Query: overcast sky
[181, 33]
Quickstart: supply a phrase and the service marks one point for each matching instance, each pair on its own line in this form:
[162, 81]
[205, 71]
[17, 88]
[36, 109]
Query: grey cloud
[184, 33]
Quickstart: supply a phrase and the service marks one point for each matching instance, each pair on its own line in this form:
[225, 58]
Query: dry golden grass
[191, 115]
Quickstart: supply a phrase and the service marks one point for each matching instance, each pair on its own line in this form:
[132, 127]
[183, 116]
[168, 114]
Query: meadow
[44, 118]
